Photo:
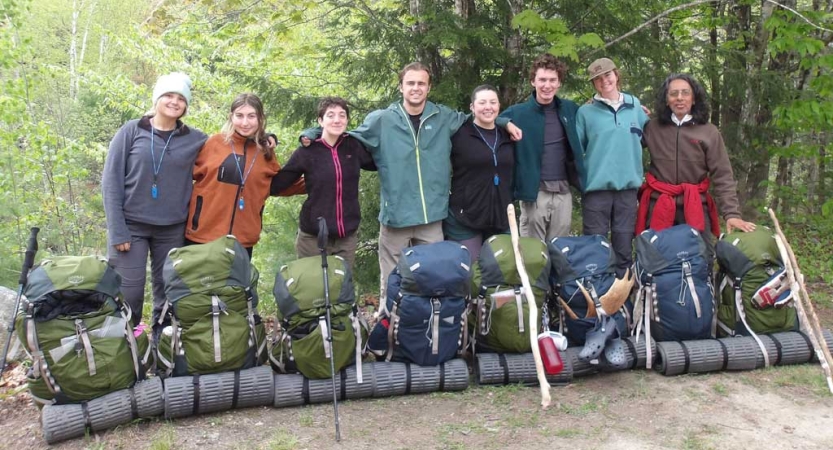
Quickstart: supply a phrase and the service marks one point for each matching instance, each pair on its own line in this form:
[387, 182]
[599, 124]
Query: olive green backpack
[77, 330]
[748, 261]
[211, 302]
[300, 343]
[499, 317]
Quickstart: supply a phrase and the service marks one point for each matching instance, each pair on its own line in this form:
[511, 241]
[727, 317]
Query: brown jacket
[215, 210]
[690, 153]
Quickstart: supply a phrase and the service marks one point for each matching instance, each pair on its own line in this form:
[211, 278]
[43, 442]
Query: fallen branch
[533, 308]
[809, 323]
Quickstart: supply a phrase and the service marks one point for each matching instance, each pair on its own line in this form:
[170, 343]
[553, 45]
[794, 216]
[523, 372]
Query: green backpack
[76, 327]
[749, 265]
[211, 302]
[500, 316]
[299, 294]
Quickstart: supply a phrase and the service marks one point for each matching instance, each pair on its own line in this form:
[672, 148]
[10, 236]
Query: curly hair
[700, 108]
[548, 62]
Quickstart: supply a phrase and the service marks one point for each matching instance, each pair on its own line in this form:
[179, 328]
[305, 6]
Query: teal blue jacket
[612, 143]
[414, 165]
[529, 117]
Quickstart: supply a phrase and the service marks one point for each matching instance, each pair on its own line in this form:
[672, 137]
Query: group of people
[443, 174]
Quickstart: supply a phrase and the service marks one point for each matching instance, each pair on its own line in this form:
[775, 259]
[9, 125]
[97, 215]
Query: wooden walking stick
[808, 320]
[533, 308]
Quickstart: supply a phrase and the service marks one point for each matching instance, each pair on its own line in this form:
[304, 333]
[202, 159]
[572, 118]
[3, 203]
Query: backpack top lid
[299, 286]
[739, 252]
[657, 250]
[72, 273]
[440, 269]
[206, 267]
[575, 257]
[496, 265]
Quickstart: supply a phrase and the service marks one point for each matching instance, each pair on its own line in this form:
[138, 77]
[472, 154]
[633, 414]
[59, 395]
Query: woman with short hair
[331, 167]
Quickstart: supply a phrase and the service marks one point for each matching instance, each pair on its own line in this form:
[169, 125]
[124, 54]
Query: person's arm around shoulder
[365, 158]
[112, 187]
[288, 181]
[369, 133]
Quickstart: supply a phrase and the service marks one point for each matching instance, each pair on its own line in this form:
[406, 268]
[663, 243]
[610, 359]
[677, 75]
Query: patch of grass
[807, 376]
[586, 408]
[164, 439]
[720, 389]
[567, 433]
[306, 419]
[281, 440]
[692, 441]
[503, 395]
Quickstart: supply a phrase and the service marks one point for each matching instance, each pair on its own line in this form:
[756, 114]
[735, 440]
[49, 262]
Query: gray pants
[548, 217]
[614, 212]
[157, 240]
[307, 245]
[393, 240]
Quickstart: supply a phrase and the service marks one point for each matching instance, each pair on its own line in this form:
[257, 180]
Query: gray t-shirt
[554, 155]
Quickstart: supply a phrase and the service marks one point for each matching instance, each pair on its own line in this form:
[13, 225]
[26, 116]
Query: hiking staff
[28, 262]
[533, 308]
[810, 322]
[322, 247]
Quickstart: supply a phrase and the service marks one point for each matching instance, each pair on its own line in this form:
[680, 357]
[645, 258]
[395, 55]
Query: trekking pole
[322, 247]
[28, 262]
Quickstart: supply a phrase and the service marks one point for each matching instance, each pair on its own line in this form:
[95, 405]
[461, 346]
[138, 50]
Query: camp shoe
[597, 338]
[614, 355]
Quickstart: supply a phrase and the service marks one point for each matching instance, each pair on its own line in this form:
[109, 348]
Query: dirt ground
[776, 408]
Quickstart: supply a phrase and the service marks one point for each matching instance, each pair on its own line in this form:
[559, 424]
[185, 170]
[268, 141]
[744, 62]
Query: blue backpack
[588, 260]
[676, 297]
[427, 302]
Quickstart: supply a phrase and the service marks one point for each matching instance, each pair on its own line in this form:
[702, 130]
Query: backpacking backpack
[676, 297]
[500, 313]
[426, 297]
[752, 284]
[211, 303]
[589, 261]
[78, 332]
[301, 345]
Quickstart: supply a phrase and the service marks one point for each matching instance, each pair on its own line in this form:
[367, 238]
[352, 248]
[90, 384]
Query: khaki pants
[548, 217]
[393, 240]
[307, 245]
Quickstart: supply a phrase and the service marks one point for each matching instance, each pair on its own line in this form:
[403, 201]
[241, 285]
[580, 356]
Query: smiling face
[414, 87]
[485, 107]
[244, 120]
[680, 98]
[334, 121]
[607, 84]
[546, 84]
[171, 105]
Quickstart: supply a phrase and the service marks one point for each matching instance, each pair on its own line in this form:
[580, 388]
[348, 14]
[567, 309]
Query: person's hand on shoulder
[123, 247]
[514, 132]
[739, 224]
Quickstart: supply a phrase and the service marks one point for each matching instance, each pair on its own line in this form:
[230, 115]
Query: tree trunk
[510, 90]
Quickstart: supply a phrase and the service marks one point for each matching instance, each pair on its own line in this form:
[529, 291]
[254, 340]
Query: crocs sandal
[614, 355]
[597, 338]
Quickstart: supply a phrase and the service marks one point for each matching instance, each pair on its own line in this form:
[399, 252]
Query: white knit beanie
[176, 82]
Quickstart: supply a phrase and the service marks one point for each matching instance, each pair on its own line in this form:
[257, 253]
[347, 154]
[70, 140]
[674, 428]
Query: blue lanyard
[154, 191]
[493, 148]
[243, 178]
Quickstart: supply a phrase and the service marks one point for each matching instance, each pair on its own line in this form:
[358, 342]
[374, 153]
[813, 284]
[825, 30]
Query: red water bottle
[549, 354]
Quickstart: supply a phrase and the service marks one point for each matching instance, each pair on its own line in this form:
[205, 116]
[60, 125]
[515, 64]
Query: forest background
[73, 71]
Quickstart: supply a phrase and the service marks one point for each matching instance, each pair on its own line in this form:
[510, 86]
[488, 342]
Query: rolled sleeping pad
[201, 394]
[62, 422]
[379, 379]
[787, 348]
[734, 353]
[513, 368]
[580, 368]
[635, 356]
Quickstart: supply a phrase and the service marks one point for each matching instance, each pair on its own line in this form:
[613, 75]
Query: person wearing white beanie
[146, 187]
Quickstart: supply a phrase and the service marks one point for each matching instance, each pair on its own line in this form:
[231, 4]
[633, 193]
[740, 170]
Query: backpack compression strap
[39, 365]
[217, 307]
[354, 319]
[689, 280]
[393, 328]
[742, 315]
